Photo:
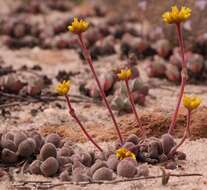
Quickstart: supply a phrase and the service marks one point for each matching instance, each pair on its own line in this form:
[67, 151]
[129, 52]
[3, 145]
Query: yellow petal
[176, 15]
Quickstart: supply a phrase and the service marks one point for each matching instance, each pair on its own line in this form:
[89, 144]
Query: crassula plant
[125, 75]
[78, 27]
[190, 103]
[63, 89]
[178, 16]
[124, 157]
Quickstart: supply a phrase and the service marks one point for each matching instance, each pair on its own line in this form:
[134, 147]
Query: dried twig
[29, 99]
[49, 184]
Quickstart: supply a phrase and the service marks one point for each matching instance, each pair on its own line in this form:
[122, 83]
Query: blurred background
[122, 34]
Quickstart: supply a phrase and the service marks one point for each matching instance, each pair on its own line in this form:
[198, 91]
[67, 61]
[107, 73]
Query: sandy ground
[159, 103]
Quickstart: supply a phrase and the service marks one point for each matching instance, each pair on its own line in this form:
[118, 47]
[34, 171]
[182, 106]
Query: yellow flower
[125, 74]
[124, 153]
[176, 15]
[63, 88]
[77, 26]
[191, 103]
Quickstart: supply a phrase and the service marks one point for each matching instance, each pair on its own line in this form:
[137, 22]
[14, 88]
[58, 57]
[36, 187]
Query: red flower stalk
[184, 76]
[72, 113]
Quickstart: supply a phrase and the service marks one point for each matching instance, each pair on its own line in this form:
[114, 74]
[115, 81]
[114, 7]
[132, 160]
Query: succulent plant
[63, 160]
[79, 175]
[19, 137]
[162, 47]
[49, 167]
[54, 139]
[126, 168]
[48, 150]
[39, 142]
[153, 150]
[157, 67]
[98, 164]
[143, 170]
[163, 158]
[103, 174]
[167, 143]
[86, 159]
[121, 104]
[65, 151]
[78, 164]
[11, 83]
[133, 138]
[107, 81]
[6, 143]
[34, 167]
[26, 148]
[195, 64]
[100, 156]
[172, 73]
[131, 147]
[90, 89]
[8, 156]
[64, 176]
[69, 168]
[9, 136]
[112, 162]
[176, 59]
[171, 165]
[137, 85]
[200, 44]
[180, 155]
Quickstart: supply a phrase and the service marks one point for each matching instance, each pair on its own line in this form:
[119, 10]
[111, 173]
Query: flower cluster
[191, 103]
[176, 15]
[78, 26]
[124, 153]
[125, 74]
[63, 88]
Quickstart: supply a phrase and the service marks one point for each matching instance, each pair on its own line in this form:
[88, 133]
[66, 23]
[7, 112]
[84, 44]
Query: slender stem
[183, 78]
[174, 149]
[133, 107]
[89, 60]
[188, 124]
[72, 113]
